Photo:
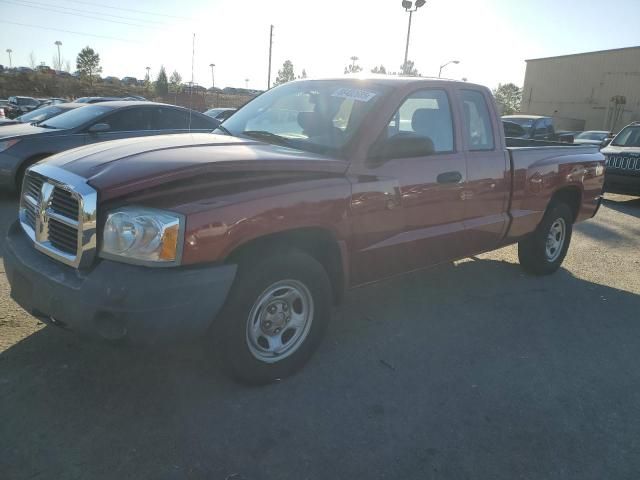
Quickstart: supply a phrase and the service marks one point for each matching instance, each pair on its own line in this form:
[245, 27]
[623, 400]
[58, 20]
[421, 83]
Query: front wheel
[275, 317]
[544, 250]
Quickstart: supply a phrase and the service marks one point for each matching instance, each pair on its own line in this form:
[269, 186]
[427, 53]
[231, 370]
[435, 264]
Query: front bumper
[115, 300]
[622, 184]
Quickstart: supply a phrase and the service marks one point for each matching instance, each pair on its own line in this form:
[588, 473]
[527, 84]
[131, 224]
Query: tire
[533, 253]
[262, 334]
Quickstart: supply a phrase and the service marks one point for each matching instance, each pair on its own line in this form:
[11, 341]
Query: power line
[13, 2]
[100, 5]
[92, 12]
[69, 31]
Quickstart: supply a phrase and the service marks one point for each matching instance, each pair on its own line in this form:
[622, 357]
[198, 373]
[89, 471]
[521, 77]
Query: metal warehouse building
[586, 91]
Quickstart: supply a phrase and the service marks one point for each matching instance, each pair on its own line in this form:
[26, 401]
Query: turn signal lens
[169, 243]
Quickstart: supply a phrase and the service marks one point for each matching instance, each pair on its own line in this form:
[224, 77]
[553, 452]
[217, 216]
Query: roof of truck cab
[387, 79]
[533, 117]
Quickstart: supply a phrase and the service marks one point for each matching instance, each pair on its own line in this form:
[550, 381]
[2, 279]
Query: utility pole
[270, 50]
[58, 43]
[9, 52]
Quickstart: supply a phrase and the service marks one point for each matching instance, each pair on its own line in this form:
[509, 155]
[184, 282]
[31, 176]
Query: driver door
[412, 215]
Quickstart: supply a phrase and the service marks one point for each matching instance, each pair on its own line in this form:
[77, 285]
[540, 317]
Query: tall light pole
[246, 83]
[410, 7]
[57, 44]
[448, 63]
[213, 82]
[9, 52]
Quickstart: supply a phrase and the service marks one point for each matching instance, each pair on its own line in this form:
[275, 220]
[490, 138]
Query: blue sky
[490, 38]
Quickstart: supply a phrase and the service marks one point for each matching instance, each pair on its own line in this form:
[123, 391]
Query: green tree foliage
[508, 97]
[408, 68]
[353, 67]
[303, 74]
[175, 81]
[285, 74]
[379, 69]
[88, 63]
[162, 84]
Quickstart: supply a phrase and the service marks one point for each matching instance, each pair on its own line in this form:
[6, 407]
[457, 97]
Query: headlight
[8, 144]
[143, 235]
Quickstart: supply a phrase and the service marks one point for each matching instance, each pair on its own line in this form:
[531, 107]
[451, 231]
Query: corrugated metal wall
[591, 91]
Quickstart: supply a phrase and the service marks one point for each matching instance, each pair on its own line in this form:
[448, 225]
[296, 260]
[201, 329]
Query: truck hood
[122, 167]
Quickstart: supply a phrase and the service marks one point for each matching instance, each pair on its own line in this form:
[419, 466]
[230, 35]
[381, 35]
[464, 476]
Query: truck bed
[537, 172]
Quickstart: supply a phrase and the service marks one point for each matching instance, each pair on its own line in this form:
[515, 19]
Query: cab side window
[129, 120]
[425, 115]
[478, 128]
[170, 119]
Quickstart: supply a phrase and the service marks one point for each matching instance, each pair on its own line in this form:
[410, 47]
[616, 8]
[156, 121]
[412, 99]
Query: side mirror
[606, 142]
[99, 128]
[401, 146]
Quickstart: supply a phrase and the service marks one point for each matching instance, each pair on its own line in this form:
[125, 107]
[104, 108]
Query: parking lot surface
[472, 370]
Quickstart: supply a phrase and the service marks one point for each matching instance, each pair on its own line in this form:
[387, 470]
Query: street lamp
[9, 52]
[246, 83]
[448, 63]
[410, 7]
[57, 44]
[213, 83]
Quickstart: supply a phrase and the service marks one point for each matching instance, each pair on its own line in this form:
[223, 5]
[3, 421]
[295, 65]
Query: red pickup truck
[250, 235]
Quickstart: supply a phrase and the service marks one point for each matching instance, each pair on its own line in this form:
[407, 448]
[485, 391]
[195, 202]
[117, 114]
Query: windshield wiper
[224, 130]
[43, 125]
[267, 136]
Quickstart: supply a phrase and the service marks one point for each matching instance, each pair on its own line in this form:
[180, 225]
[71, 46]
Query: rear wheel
[544, 250]
[275, 317]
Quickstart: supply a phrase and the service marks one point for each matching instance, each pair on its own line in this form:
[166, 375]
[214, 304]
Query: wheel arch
[318, 242]
[571, 195]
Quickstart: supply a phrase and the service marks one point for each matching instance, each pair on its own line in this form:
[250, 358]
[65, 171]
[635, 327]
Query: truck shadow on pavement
[627, 205]
[468, 370]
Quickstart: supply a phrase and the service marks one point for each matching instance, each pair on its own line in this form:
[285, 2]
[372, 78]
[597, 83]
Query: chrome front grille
[623, 162]
[58, 212]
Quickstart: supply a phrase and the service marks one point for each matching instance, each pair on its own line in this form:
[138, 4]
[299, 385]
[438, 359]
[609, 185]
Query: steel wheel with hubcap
[542, 252]
[275, 316]
[555, 239]
[279, 321]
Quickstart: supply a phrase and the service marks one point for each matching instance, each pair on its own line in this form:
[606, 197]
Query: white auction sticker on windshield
[354, 94]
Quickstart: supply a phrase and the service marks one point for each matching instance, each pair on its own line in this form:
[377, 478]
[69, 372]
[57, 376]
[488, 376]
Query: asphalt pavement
[469, 371]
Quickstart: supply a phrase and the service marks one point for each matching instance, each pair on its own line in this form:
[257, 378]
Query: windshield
[599, 136]
[39, 115]
[628, 137]
[77, 117]
[315, 116]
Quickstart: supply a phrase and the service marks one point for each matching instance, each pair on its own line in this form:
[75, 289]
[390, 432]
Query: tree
[162, 84]
[175, 81]
[380, 70]
[303, 74]
[408, 68]
[88, 63]
[354, 67]
[508, 97]
[286, 74]
[67, 66]
[33, 62]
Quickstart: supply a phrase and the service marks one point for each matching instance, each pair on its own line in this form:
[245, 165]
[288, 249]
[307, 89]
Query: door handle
[450, 177]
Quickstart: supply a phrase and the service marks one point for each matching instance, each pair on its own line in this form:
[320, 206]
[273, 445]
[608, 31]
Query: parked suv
[623, 162]
[24, 104]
